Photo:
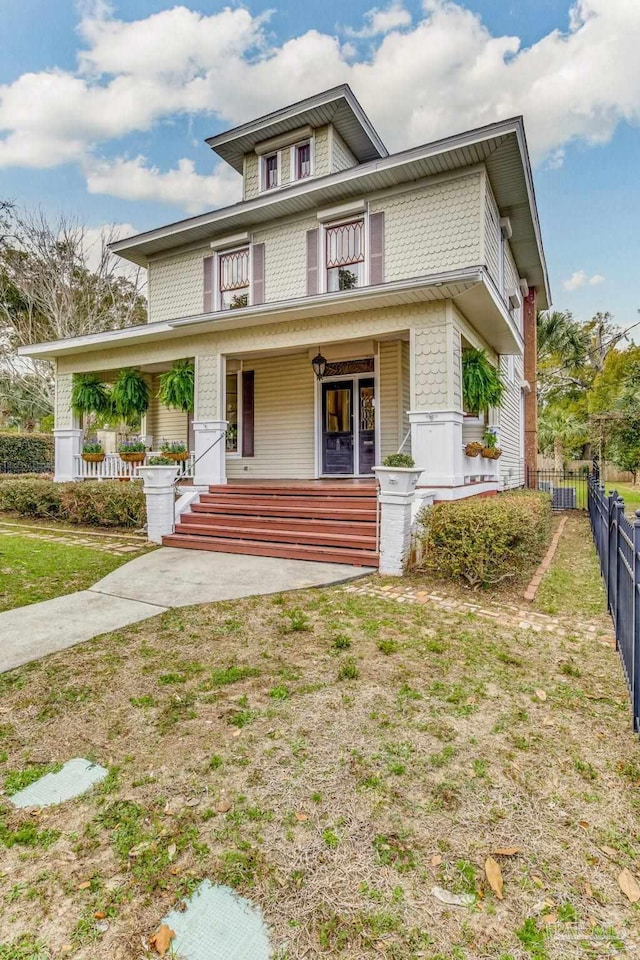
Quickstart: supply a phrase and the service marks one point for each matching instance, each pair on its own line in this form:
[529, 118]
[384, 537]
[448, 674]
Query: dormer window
[302, 160]
[233, 279]
[270, 171]
[345, 256]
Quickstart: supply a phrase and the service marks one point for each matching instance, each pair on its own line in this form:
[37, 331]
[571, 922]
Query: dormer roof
[337, 106]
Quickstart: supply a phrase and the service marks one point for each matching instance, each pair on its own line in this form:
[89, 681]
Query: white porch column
[208, 422]
[436, 446]
[396, 495]
[210, 447]
[67, 434]
[160, 496]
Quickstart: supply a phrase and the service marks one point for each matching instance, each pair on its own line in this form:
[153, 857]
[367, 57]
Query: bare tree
[56, 282]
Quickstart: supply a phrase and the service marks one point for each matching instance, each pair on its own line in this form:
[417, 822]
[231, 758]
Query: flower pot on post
[396, 496]
[159, 493]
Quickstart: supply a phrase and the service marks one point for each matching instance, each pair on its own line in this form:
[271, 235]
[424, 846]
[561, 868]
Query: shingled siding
[175, 286]
[432, 228]
[492, 236]
[341, 156]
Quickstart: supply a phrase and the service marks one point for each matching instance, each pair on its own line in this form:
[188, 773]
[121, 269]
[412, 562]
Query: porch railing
[113, 468]
[617, 541]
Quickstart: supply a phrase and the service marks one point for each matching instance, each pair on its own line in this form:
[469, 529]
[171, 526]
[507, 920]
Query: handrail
[407, 435]
[203, 454]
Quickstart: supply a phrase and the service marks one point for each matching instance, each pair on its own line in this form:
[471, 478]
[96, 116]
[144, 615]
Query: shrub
[92, 446]
[132, 446]
[160, 462]
[26, 452]
[398, 460]
[482, 541]
[108, 503]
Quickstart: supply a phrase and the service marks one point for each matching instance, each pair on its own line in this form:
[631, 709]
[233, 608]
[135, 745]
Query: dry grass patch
[333, 757]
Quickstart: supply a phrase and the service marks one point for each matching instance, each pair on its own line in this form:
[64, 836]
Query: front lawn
[33, 569]
[340, 760]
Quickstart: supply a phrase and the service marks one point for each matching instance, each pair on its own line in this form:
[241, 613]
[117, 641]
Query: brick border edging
[536, 580]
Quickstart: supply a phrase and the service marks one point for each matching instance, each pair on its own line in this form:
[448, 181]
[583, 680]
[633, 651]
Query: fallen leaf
[541, 695]
[548, 722]
[193, 801]
[629, 886]
[224, 805]
[161, 939]
[610, 852]
[588, 892]
[494, 876]
[584, 824]
[436, 860]
[84, 885]
[550, 918]
[506, 851]
[301, 817]
[102, 926]
[171, 851]
[453, 899]
[99, 915]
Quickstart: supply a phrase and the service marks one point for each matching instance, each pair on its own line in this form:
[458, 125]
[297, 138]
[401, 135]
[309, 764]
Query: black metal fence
[568, 488]
[617, 541]
[13, 467]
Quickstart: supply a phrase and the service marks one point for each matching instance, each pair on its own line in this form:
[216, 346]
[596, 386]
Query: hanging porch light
[319, 365]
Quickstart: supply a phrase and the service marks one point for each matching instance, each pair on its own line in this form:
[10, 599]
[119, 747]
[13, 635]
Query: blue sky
[104, 107]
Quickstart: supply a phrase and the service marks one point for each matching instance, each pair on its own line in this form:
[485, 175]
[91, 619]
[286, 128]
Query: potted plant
[482, 384]
[130, 394]
[174, 450]
[491, 450]
[398, 474]
[132, 451]
[159, 462]
[92, 452]
[177, 387]
[473, 449]
[89, 394]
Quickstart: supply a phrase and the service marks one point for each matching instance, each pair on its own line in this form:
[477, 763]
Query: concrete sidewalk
[147, 586]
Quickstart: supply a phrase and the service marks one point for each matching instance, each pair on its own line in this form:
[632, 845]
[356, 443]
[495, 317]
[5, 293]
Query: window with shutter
[344, 255]
[233, 279]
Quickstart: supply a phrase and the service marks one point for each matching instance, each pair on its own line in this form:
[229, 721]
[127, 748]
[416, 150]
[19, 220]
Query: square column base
[210, 452]
[436, 446]
[67, 446]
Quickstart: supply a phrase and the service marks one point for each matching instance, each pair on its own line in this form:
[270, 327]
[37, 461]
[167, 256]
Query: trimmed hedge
[483, 540]
[26, 452]
[108, 503]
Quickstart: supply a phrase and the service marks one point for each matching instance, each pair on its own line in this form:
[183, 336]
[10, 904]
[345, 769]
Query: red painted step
[274, 490]
[310, 535]
[279, 509]
[346, 528]
[360, 558]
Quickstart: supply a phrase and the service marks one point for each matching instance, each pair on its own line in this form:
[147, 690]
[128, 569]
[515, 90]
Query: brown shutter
[257, 279]
[247, 413]
[313, 278]
[376, 248]
[207, 304]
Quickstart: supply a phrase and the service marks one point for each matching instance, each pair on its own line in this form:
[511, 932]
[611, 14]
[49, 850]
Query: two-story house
[327, 313]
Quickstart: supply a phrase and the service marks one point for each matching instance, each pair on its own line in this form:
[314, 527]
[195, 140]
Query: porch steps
[331, 522]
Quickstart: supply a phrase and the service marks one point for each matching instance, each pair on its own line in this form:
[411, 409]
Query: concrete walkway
[150, 585]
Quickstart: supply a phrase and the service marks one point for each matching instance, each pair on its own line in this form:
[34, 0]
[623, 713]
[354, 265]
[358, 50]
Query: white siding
[162, 423]
[176, 286]
[322, 160]
[405, 394]
[251, 176]
[341, 157]
[492, 236]
[431, 228]
[511, 427]
[284, 424]
[389, 402]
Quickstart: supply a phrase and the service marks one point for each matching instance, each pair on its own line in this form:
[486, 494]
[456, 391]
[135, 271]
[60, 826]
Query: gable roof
[500, 146]
[338, 106]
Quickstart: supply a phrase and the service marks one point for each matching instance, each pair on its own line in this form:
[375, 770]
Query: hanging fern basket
[482, 384]
[130, 394]
[89, 394]
[177, 387]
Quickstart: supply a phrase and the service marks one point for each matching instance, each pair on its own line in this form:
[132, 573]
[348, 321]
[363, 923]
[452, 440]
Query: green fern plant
[482, 384]
[177, 386]
[130, 394]
[89, 394]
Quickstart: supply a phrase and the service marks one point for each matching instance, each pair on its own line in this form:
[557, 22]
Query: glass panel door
[366, 426]
[337, 428]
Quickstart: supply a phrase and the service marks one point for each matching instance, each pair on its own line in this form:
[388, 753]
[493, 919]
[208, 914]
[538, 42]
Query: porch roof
[501, 146]
[471, 289]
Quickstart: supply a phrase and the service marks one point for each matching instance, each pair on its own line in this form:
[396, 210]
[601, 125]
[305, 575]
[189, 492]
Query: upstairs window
[345, 256]
[302, 161]
[270, 172]
[234, 279]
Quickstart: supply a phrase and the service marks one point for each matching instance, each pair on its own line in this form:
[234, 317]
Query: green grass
[32, 570]
[573, 586]
[631, 496]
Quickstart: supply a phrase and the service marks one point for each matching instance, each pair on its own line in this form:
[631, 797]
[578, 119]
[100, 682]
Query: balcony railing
[113, 468]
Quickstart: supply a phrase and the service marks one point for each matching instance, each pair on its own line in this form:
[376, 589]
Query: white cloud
[134, 180]
[582, 279]
[438, 75]
[378, 22]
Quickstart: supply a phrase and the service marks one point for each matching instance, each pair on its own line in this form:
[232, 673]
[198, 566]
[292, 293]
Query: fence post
[612, 550]
[634, 673]
[618, 508]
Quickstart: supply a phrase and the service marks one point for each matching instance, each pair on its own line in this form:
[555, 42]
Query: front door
[348, 427]
[337, 428]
